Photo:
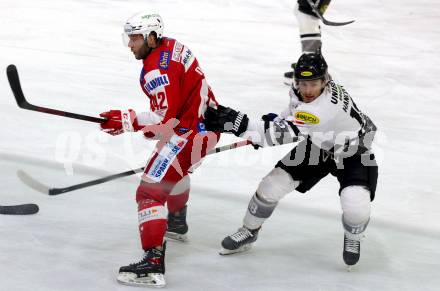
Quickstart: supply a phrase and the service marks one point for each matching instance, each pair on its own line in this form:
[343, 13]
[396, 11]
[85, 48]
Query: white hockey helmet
[143, 23]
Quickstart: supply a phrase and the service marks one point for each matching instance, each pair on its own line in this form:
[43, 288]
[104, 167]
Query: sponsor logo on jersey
[305, 117]
[186, 58]
[340, 94]
[165, 158]
[157, 82]
[177, 51]
[164, 60]
[160, 169]
[306, 73]
[183, 130]
[178, 146]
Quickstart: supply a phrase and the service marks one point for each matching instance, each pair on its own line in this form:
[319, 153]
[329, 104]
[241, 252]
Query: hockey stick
[14, 82]
[325, 21]
[36, 185]
[21, 209]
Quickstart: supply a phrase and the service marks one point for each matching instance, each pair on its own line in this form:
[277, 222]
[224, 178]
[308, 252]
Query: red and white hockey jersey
[176, 86]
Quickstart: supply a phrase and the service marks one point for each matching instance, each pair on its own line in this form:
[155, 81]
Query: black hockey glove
[269, 117]
[225, 119]
[321, 5]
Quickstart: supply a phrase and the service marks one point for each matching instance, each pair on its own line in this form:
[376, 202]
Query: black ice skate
[239, 242]
[148, 272]
[177, 227]
[352, 249]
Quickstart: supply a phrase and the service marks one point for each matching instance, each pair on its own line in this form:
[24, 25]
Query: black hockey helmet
[310, 66]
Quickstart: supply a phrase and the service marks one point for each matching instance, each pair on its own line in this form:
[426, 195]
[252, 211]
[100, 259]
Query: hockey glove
[321, 5]
[119, 121]
[225, 119]
[269, 117]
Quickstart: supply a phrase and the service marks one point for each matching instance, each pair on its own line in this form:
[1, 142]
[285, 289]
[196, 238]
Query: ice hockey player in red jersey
[179, 95]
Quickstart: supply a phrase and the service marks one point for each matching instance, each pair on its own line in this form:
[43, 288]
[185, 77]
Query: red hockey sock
[177, 202]
[152, 223]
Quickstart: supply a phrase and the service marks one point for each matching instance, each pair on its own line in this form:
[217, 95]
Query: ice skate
[240, 241]
[352, 249]
[177, 226]
[148, 272]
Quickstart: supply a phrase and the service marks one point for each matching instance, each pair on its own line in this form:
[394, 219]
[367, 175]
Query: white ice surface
[69, 56]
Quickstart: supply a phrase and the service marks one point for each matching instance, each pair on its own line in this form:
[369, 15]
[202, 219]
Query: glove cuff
[240, 124]
[127, 118]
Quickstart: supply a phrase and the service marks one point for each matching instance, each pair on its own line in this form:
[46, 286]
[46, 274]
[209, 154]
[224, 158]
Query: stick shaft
[57, 191]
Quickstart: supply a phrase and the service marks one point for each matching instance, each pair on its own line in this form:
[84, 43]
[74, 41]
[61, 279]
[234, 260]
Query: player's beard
[144, 51]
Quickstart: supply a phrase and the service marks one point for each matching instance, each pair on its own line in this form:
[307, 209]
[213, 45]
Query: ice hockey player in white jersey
[333, 136]
[309, 29]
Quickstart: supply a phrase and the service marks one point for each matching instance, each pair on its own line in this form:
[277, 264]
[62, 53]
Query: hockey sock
[179, 195]
[355, 204]
[152, 223]
[258, 211]
[354, 229]
[177, 202]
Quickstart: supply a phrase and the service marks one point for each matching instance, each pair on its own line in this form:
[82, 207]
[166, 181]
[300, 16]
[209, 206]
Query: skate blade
[176, 236]
[152, 280]
[225, 252]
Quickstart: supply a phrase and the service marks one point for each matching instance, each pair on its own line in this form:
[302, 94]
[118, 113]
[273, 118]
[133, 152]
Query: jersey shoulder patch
[183, 55]
[177, 51]
[164, 60]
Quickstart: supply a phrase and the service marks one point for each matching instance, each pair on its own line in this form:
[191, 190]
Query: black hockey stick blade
[40, 187]
[332, 23]
[21, 209]
[14, 82]
[325, 21]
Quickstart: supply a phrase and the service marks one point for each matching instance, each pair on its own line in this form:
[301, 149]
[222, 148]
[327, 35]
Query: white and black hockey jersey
[332, 121]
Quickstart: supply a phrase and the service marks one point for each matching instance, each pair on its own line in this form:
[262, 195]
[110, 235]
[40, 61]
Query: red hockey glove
[119, 121]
